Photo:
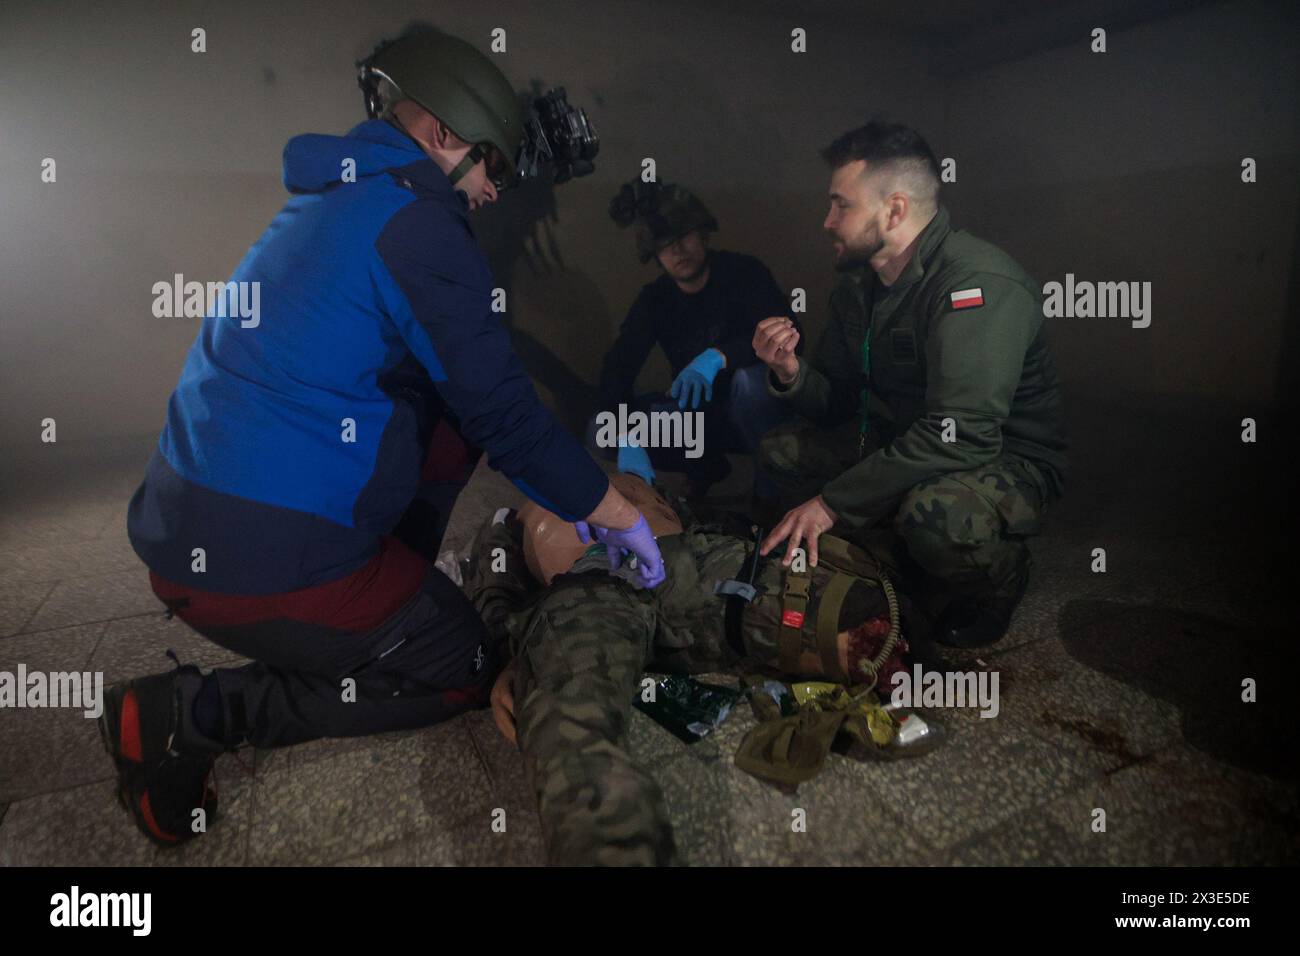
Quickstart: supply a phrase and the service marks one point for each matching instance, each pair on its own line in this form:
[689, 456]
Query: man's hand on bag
[806, 523]
[503, 702]
[775, 340]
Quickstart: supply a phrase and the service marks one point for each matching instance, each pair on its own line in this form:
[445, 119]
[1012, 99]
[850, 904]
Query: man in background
[701, 311]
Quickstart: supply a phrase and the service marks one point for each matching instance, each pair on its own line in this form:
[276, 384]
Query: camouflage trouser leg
[799, 458]
[968, 529]
[965, 530]
[580, 652]
[496, 575]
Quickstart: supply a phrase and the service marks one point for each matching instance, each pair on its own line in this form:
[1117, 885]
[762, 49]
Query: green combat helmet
[661, 212]
[463, 87]
[452, 80]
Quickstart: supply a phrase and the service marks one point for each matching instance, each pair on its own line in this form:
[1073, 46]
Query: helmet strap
[471, 160]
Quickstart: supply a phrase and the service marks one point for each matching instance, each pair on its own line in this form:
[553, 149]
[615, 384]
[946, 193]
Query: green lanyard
[869, 300]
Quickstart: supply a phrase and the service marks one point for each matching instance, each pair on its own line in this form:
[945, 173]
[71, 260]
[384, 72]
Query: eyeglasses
[487, 154]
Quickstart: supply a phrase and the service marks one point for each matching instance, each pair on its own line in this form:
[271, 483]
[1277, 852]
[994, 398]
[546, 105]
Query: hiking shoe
[160, 785]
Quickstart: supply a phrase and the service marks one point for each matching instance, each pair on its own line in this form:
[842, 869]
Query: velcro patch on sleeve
[967, 298]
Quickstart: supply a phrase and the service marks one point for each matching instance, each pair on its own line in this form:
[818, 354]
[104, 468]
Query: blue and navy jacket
[362, 285]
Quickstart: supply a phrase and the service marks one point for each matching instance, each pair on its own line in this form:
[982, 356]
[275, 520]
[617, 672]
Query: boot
[972, 622]
[164, 766]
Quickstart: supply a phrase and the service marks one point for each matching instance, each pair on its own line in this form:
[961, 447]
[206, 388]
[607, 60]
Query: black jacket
[740, 293]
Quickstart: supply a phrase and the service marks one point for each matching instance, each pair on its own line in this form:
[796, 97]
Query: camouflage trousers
[965, 531]
[580, 648]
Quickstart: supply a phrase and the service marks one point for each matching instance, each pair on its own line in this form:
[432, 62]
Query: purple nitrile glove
[636, 539]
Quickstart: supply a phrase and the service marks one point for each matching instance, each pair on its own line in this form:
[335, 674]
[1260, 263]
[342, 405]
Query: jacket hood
[314, 161]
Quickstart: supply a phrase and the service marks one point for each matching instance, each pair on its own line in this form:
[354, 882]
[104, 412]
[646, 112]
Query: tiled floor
[1119, 692]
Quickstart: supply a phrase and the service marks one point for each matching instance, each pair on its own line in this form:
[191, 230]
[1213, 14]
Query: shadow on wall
[1288, 396]
[553, 312]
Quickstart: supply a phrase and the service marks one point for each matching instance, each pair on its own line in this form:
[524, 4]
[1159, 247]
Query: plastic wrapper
[781, 696]
[687, 708]
[450, 564]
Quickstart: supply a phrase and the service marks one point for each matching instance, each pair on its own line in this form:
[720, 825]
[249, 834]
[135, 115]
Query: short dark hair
[882, 144]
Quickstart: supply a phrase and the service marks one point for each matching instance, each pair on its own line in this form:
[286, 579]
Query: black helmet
[661, 212]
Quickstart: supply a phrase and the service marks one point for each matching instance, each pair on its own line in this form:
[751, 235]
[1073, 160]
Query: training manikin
[581, 636]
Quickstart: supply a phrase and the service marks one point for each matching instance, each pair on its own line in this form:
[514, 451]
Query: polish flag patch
[967, 298]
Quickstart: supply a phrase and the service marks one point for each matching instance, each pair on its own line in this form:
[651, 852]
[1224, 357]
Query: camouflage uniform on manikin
[581, 646]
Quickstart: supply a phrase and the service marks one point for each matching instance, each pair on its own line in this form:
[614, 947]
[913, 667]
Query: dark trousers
[392, 646]
[735, 421]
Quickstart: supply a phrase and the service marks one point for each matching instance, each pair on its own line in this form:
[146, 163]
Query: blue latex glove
[637, 539]
[636, 461]
[696, 379]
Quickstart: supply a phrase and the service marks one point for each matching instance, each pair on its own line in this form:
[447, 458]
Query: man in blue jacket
[295, 442]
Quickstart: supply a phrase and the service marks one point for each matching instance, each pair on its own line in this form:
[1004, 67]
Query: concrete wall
[1127, 166]
[169, 161]
[1123, 166]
